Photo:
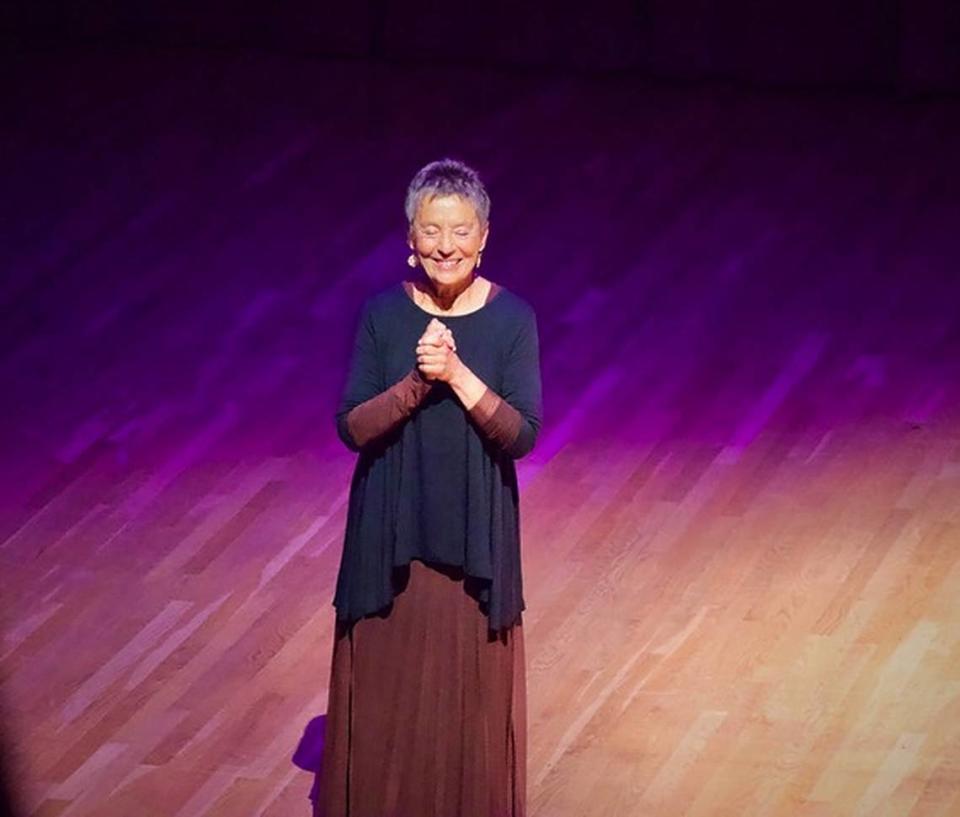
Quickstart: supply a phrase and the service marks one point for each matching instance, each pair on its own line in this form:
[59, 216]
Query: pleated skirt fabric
[427, 710]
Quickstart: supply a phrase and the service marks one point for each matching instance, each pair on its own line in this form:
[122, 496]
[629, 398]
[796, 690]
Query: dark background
[908, 47]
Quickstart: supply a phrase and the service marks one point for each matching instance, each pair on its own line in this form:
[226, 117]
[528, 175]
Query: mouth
[447, 264]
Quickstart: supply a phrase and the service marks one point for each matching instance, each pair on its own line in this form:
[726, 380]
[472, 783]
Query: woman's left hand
[439, 360]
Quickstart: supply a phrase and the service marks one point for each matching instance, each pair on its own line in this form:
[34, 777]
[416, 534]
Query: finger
[433, 349]
[433, 360]
[430, 340]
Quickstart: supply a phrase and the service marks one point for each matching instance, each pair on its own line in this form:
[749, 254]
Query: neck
[449, 298]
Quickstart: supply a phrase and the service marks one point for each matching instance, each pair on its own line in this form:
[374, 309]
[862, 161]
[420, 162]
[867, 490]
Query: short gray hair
[447, 177]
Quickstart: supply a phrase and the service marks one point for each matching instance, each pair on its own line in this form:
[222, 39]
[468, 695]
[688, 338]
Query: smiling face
[447, 237]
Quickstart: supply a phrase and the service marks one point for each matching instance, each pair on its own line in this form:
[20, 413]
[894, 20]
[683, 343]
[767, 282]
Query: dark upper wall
[907, 45]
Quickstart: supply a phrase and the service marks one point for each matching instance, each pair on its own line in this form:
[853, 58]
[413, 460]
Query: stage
[741, 527]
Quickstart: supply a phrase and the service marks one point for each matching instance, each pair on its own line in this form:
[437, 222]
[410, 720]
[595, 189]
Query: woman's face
[447, 238]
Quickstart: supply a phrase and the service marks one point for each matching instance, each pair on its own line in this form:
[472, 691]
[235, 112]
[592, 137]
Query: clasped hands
[437, 357]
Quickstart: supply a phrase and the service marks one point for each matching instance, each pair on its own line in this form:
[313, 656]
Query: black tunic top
[437, 488]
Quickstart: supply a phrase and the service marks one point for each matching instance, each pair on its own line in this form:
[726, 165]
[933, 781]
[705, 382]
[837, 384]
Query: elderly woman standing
[427, 709]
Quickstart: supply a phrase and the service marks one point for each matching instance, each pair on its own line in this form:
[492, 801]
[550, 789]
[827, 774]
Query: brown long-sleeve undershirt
[495, 417]
[387, 410]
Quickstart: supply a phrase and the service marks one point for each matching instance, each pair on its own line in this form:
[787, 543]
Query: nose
[446, 246]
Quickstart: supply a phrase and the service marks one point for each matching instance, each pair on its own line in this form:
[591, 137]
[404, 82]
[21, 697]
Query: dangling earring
[479, 258]
[412, 261]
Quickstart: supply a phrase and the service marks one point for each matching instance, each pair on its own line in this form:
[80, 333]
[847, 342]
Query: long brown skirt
[427, 710]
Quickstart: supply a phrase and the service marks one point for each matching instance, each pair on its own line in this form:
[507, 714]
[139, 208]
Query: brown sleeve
[497, 419]
[383, 413]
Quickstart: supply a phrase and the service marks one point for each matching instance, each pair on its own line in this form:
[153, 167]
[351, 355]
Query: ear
[486, 233]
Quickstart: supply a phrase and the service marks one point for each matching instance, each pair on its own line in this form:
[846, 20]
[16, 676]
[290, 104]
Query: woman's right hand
[436, 335]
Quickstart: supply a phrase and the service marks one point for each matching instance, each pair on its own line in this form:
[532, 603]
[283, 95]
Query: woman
[427, 710]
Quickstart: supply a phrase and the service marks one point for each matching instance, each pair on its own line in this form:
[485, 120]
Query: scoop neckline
[415, 305]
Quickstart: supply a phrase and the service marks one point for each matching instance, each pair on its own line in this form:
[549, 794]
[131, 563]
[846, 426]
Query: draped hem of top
[383, 536]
